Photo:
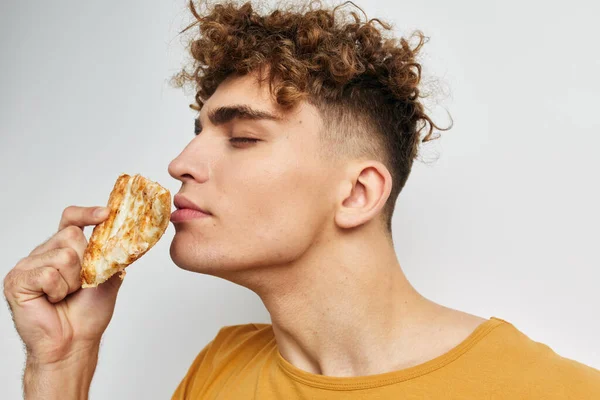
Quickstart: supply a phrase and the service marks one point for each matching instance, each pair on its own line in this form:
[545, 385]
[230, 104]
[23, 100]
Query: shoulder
[240, 340]
[233, 341]
[236, 334]
[563, 377]
[244, 329]
[233, 347]
[536, 367]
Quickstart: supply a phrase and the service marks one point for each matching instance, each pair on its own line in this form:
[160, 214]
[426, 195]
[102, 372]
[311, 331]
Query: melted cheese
[126, 236]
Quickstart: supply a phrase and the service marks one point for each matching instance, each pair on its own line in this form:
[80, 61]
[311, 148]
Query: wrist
[59, 357]
[67, 378]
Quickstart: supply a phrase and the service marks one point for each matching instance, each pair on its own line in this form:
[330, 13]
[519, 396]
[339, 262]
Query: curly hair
[365, 86]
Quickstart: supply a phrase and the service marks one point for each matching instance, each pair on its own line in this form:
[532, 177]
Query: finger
[71, 231]
[31, 284]
[65, 260]
[82, 216]
[71, 236]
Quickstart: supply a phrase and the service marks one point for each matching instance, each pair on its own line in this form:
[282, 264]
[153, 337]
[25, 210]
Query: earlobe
[364, 196]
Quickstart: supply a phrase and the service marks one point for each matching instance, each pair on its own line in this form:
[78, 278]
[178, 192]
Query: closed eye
[242, 141]
[198, 130]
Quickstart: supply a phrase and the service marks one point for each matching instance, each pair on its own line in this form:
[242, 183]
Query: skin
[301, 231]
[304, 233]
[51, 312]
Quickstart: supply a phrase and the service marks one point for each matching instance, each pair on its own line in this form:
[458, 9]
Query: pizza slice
[139, 214]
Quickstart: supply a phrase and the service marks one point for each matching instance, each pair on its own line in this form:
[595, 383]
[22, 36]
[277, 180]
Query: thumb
[112, 285]
[110, 288]
[104, 295]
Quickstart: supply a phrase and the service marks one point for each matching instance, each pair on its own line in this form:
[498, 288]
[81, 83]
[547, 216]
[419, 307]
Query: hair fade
[366, 86]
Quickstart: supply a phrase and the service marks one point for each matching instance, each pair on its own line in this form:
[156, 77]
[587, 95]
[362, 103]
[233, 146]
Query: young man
[306, 134]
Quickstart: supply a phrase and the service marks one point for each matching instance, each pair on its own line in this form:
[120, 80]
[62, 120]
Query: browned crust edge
[101, 231]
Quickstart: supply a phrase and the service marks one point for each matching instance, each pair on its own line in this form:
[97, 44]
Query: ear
[363, 194]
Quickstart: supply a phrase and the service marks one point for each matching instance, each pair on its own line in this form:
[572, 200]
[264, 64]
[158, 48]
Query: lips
[182, 202]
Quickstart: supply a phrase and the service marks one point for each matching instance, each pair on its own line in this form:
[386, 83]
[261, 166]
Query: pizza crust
[139, 215]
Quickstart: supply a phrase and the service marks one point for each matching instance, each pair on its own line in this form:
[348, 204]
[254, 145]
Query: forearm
[68, 379]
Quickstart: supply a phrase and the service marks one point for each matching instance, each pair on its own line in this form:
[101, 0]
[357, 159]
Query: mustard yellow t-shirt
[497, 361]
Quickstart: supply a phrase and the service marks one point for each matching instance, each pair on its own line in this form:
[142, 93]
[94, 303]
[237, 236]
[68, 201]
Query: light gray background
[504, 223]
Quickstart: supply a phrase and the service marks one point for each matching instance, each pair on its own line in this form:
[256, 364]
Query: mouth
[186, 214]
[183, 203]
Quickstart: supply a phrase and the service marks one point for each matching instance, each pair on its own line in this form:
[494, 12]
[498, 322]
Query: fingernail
[101, 212]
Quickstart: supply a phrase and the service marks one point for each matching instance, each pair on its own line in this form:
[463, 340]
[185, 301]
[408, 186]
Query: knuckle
[68, 256]
[9, 282]
[59, 294]
[51, 276]
[68, 211]
[72, 233]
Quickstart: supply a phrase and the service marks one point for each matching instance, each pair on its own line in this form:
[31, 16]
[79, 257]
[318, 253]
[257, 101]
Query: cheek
[289, 213]
[271, 223]
[273, 204]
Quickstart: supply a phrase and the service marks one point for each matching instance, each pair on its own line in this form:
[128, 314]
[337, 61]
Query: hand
[54, 316]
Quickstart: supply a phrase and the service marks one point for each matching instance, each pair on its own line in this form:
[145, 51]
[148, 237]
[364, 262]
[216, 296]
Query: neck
[338, 310]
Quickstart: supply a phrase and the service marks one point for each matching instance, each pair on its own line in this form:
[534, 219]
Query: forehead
[242, 89]
[248, 90]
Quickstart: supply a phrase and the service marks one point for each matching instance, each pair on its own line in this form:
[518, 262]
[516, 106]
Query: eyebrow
[225, 114]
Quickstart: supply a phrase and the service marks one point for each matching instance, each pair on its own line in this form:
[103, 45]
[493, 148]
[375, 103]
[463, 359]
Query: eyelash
[243, 140]
[232, 140]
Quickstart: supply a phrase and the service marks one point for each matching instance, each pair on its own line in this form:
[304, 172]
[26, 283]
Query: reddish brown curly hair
[365, 86]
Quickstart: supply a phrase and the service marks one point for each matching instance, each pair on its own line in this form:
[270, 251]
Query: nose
[190, 164]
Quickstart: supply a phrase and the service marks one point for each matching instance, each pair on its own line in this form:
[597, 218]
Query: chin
[183, 254]
[187, 254]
